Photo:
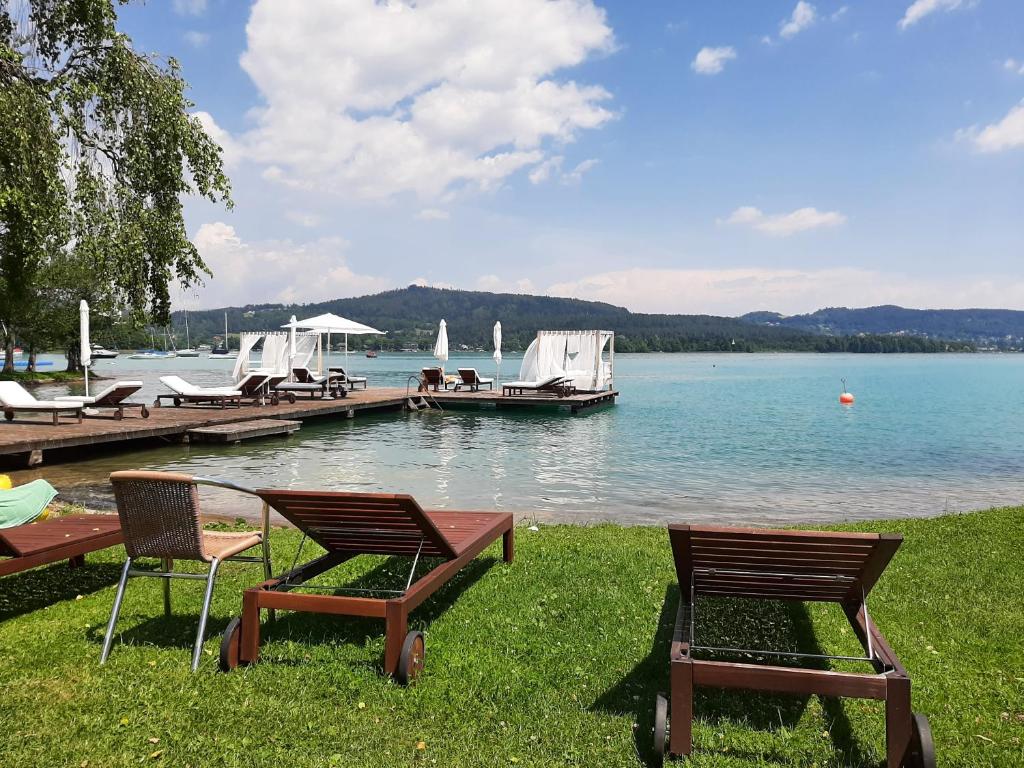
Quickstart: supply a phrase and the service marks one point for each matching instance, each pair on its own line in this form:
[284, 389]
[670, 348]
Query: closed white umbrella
[497, 352]
[85, 351]
[291, 345]
[441, 347]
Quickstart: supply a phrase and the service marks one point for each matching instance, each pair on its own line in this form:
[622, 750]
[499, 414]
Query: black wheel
[231, 645]
[156, 403]
[342, 392]
[177, 402]
[921, 753]
[411, 660]
[275, 399]
[291, 398]
[145, 412]
[118, 415]
[9, 415]
[660, 727]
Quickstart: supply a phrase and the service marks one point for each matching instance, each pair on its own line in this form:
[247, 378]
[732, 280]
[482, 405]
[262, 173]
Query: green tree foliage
[97, 149]
[410, 317]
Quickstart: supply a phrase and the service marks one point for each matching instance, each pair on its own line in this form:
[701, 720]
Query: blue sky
[666, 156]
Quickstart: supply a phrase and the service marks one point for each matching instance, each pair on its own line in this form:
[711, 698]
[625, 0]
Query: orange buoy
[845, 398]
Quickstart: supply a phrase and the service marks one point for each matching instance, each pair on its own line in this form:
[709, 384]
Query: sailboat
[153, 353]
[223, 352]
[187, 351]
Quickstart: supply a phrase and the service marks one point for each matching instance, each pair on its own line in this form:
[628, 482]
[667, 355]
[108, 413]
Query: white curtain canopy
[330, 323]
[576, 355]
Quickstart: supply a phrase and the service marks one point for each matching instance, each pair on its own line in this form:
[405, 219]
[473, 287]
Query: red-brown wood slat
[34, 538]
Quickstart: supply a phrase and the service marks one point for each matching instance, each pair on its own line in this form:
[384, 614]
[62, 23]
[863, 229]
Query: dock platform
[237, 431]
[24, 442]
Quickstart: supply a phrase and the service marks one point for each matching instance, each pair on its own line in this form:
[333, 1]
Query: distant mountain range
[410, 316]
[984, 327]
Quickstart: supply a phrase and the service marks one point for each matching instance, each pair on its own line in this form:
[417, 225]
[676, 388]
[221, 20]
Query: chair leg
[201, 632]
[396, 624]
[168, 566]
[681, 712]
[109, 639]
[897, 720]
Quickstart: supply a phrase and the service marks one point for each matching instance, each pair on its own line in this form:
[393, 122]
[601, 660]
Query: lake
[730, 438]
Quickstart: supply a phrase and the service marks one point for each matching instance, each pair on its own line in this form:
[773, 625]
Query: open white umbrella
[331, 323]
[497, 352]
[441, 347]
[85, 351]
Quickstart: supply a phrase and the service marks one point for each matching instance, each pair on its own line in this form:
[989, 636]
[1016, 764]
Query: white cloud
[1008, 133]
[196, 39]
[302, 218]
[374, 99]
[921, 8]
[542, 171]
[230, 150]
[784, 224]
[711, 61]
[840, 12]
[190, 7]
[432, 214]
[496, 284]
[575, 176]
[1012, 65]
[422, 282]
[803, 16]
[733, 292]
[276, 271]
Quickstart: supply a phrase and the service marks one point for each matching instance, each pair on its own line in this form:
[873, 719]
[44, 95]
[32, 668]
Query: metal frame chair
[160, 517]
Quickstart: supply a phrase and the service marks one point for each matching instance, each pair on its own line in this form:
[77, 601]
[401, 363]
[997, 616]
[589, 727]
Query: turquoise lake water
[711, 437]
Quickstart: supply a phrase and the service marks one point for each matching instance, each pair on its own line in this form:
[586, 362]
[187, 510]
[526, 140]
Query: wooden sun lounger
[763, 564]
[433, 377]
[471, 378]
[352, 524]
[112, 398]
[61, 538]
[351, 381]
[290, 390]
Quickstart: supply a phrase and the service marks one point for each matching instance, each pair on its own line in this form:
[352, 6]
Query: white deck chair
[15, 398]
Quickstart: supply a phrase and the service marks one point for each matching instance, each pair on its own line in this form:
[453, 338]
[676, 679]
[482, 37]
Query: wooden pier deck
[27, 440]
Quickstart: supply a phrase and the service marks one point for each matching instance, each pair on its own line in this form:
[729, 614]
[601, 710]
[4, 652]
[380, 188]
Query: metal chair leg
[168, 565]
[201, 632]
[109, 639]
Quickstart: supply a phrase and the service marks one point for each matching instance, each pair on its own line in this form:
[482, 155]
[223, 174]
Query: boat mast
[188, 341]
[226, 331]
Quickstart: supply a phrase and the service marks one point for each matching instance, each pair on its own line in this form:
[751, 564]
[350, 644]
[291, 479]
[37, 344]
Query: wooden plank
[243, 430]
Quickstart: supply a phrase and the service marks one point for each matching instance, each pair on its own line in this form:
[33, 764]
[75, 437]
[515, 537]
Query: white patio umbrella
[497, 352]
[441, 347]
[330, 323]
[85, 351]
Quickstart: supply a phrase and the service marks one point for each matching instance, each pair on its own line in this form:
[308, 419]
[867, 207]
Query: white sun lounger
[14, 398]
[115, 396]
[184, 392]
[555, 385]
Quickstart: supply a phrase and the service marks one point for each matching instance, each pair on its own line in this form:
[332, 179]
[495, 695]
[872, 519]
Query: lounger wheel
[660, 727]
[118, 415]
[291, 398]
[156, 403]
[411, 660]
[9, 415]
[275, 399]
[921, 753]
[177, 402]
[231, 645]
[145, 412]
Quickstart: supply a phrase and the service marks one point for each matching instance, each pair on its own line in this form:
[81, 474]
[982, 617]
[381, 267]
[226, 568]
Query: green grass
[42, 377]
[551, 661]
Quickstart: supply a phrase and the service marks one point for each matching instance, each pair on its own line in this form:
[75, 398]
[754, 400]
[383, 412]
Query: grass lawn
[553, 660]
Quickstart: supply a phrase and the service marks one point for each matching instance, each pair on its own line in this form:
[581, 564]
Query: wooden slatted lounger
[61, 538]
[352, 524]
[766, 564]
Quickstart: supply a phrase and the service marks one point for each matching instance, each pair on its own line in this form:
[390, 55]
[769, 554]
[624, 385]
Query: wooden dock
[25, 441]
[237, 431]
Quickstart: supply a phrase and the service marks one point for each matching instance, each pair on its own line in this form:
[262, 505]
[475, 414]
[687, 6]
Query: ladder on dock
[421, 401]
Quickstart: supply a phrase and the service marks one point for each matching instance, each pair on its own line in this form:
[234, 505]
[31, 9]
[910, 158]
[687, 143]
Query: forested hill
[997, 327]
[410, 316]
